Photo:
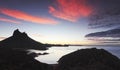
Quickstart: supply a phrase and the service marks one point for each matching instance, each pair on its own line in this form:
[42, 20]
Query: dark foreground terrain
[19, 60]
[89, 59]
[85, 59]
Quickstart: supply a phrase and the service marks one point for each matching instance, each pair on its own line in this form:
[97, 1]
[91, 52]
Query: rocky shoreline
[84, 59]
[11, 59]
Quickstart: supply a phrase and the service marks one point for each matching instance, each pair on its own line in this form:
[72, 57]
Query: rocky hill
[21, 40]
[89, 59]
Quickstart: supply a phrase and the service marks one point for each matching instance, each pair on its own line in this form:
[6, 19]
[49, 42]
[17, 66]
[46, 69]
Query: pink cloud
[70, 10]
[27, 17]
[9, 21]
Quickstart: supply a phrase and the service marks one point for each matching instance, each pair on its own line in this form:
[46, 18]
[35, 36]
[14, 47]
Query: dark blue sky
[58, 21]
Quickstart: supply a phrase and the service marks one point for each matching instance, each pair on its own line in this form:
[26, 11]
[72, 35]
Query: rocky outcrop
[89, 59]
[19, 60]
[21, 40]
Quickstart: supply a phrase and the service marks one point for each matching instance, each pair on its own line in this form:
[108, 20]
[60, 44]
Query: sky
[60, 21]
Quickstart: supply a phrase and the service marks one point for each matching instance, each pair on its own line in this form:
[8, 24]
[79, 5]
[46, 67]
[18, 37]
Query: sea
[56, 52]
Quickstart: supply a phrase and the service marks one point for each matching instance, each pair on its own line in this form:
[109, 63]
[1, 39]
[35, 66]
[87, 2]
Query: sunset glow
[62, 21]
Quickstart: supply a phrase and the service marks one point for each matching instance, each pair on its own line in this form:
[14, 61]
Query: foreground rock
[22, 41]
[19, 60]
[89, 59]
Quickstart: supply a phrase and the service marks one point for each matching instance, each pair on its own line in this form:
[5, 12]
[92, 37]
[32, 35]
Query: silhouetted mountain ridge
[21, 40]
[19, 34]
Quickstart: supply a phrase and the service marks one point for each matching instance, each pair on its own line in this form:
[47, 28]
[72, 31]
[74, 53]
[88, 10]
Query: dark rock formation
[22, 41]
[19, 60]
[33, 54]
[89, 59]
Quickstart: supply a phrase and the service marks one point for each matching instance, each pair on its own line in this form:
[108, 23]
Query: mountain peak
[17, 33]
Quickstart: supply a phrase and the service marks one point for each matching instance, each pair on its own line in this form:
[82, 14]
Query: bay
[56, 52]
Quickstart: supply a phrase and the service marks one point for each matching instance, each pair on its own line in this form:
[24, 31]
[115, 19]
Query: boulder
[89, 59]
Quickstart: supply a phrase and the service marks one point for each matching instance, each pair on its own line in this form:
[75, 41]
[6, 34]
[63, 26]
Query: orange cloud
[26, 17]
[70, 10]
[9, 21]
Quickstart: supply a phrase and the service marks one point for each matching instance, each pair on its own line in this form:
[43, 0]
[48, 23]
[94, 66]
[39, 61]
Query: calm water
[55, 53]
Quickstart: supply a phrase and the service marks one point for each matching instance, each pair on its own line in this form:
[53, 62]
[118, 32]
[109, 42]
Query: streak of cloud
[112, 35]
[9, 21]
[27, 17]
[109, 33]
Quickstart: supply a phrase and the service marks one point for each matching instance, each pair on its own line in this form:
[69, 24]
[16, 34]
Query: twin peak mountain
[21, 40]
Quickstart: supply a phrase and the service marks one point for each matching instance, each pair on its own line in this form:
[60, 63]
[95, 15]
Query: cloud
[70, 10]
[110, 42]
[104, 38]
[109, 33]
[106, 14]
[27, 17]
[9, 21]
[112, 35]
